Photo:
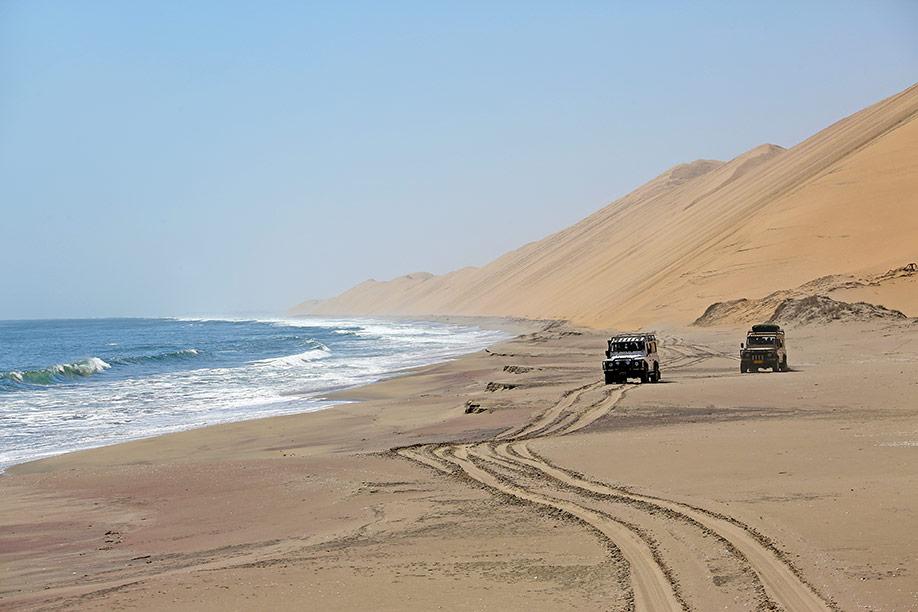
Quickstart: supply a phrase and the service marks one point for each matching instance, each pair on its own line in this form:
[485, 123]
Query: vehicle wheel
[743, 369]
[784, 366]
[656, 373]
[610, 378]
[644, 378]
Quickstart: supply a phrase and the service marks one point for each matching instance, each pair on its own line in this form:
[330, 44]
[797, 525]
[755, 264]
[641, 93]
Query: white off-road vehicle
[632, 356]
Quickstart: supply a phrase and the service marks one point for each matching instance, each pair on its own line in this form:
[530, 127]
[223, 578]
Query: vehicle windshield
[760, 340]
[627, 347]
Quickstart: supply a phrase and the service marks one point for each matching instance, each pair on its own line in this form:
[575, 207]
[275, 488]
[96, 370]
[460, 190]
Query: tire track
[421, 454]
[506, 449]
[686, 354]
[653, 589]
[594, 412]
[508, 466]
[544, 420]
[780, 579]
[486, 453]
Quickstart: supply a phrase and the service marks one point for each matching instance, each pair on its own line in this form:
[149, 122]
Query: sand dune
[822, 301]
[841, 202]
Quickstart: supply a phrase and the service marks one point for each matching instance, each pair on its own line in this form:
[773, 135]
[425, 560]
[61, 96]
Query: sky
[177, 158]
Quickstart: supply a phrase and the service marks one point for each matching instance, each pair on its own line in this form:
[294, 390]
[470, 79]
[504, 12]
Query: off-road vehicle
[632, 356]
[764, 348]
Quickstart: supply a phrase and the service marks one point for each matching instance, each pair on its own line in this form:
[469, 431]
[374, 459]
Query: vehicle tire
[784, 366]
[743, 369]
[610, 378]
[656, 373]
[644, 378]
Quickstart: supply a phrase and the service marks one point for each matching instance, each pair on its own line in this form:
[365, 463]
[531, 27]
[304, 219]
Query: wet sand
[711, 490]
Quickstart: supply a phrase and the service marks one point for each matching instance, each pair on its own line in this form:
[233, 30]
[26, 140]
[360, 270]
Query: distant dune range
[843, 202]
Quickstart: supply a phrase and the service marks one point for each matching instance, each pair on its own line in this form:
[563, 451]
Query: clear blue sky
[162, 158]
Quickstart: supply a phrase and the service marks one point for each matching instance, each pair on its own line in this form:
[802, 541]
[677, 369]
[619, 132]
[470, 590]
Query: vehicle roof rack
[766, 328]
[634, 336]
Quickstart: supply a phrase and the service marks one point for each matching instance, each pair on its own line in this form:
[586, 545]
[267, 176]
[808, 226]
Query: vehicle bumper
[759, 362]
[629, 370]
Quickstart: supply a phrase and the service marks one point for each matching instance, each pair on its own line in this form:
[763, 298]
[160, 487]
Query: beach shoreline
[319, 400]
[319, 506]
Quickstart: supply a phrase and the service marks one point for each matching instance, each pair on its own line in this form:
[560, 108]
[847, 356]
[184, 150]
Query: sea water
[74, 384]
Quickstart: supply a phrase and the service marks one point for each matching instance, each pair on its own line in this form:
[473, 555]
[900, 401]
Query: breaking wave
[58, 373]
[64, 372]
[188, 353]
[320, 351]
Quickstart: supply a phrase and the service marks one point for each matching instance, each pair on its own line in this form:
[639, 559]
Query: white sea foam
[319, 352]
[87, 367]
[91, 365]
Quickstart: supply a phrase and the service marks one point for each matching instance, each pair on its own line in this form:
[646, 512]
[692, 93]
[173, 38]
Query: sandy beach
[511, 478]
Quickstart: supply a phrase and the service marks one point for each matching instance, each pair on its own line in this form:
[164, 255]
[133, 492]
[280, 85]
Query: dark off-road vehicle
[632, 356]
[764, 348]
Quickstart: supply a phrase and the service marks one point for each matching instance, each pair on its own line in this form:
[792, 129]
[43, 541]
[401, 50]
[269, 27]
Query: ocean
[73, 384]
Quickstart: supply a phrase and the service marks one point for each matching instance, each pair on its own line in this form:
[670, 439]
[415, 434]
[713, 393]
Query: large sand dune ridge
[841, 202]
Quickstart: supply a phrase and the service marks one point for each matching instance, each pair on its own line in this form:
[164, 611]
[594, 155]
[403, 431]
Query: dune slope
[841, 202]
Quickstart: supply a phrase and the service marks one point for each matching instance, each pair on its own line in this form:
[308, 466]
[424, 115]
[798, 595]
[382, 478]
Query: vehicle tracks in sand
[652, 588]
[681, 354]
[781, 581]
[508, 466]
[548, 418]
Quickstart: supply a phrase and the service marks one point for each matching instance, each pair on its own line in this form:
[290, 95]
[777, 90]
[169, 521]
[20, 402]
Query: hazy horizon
[166, 160]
